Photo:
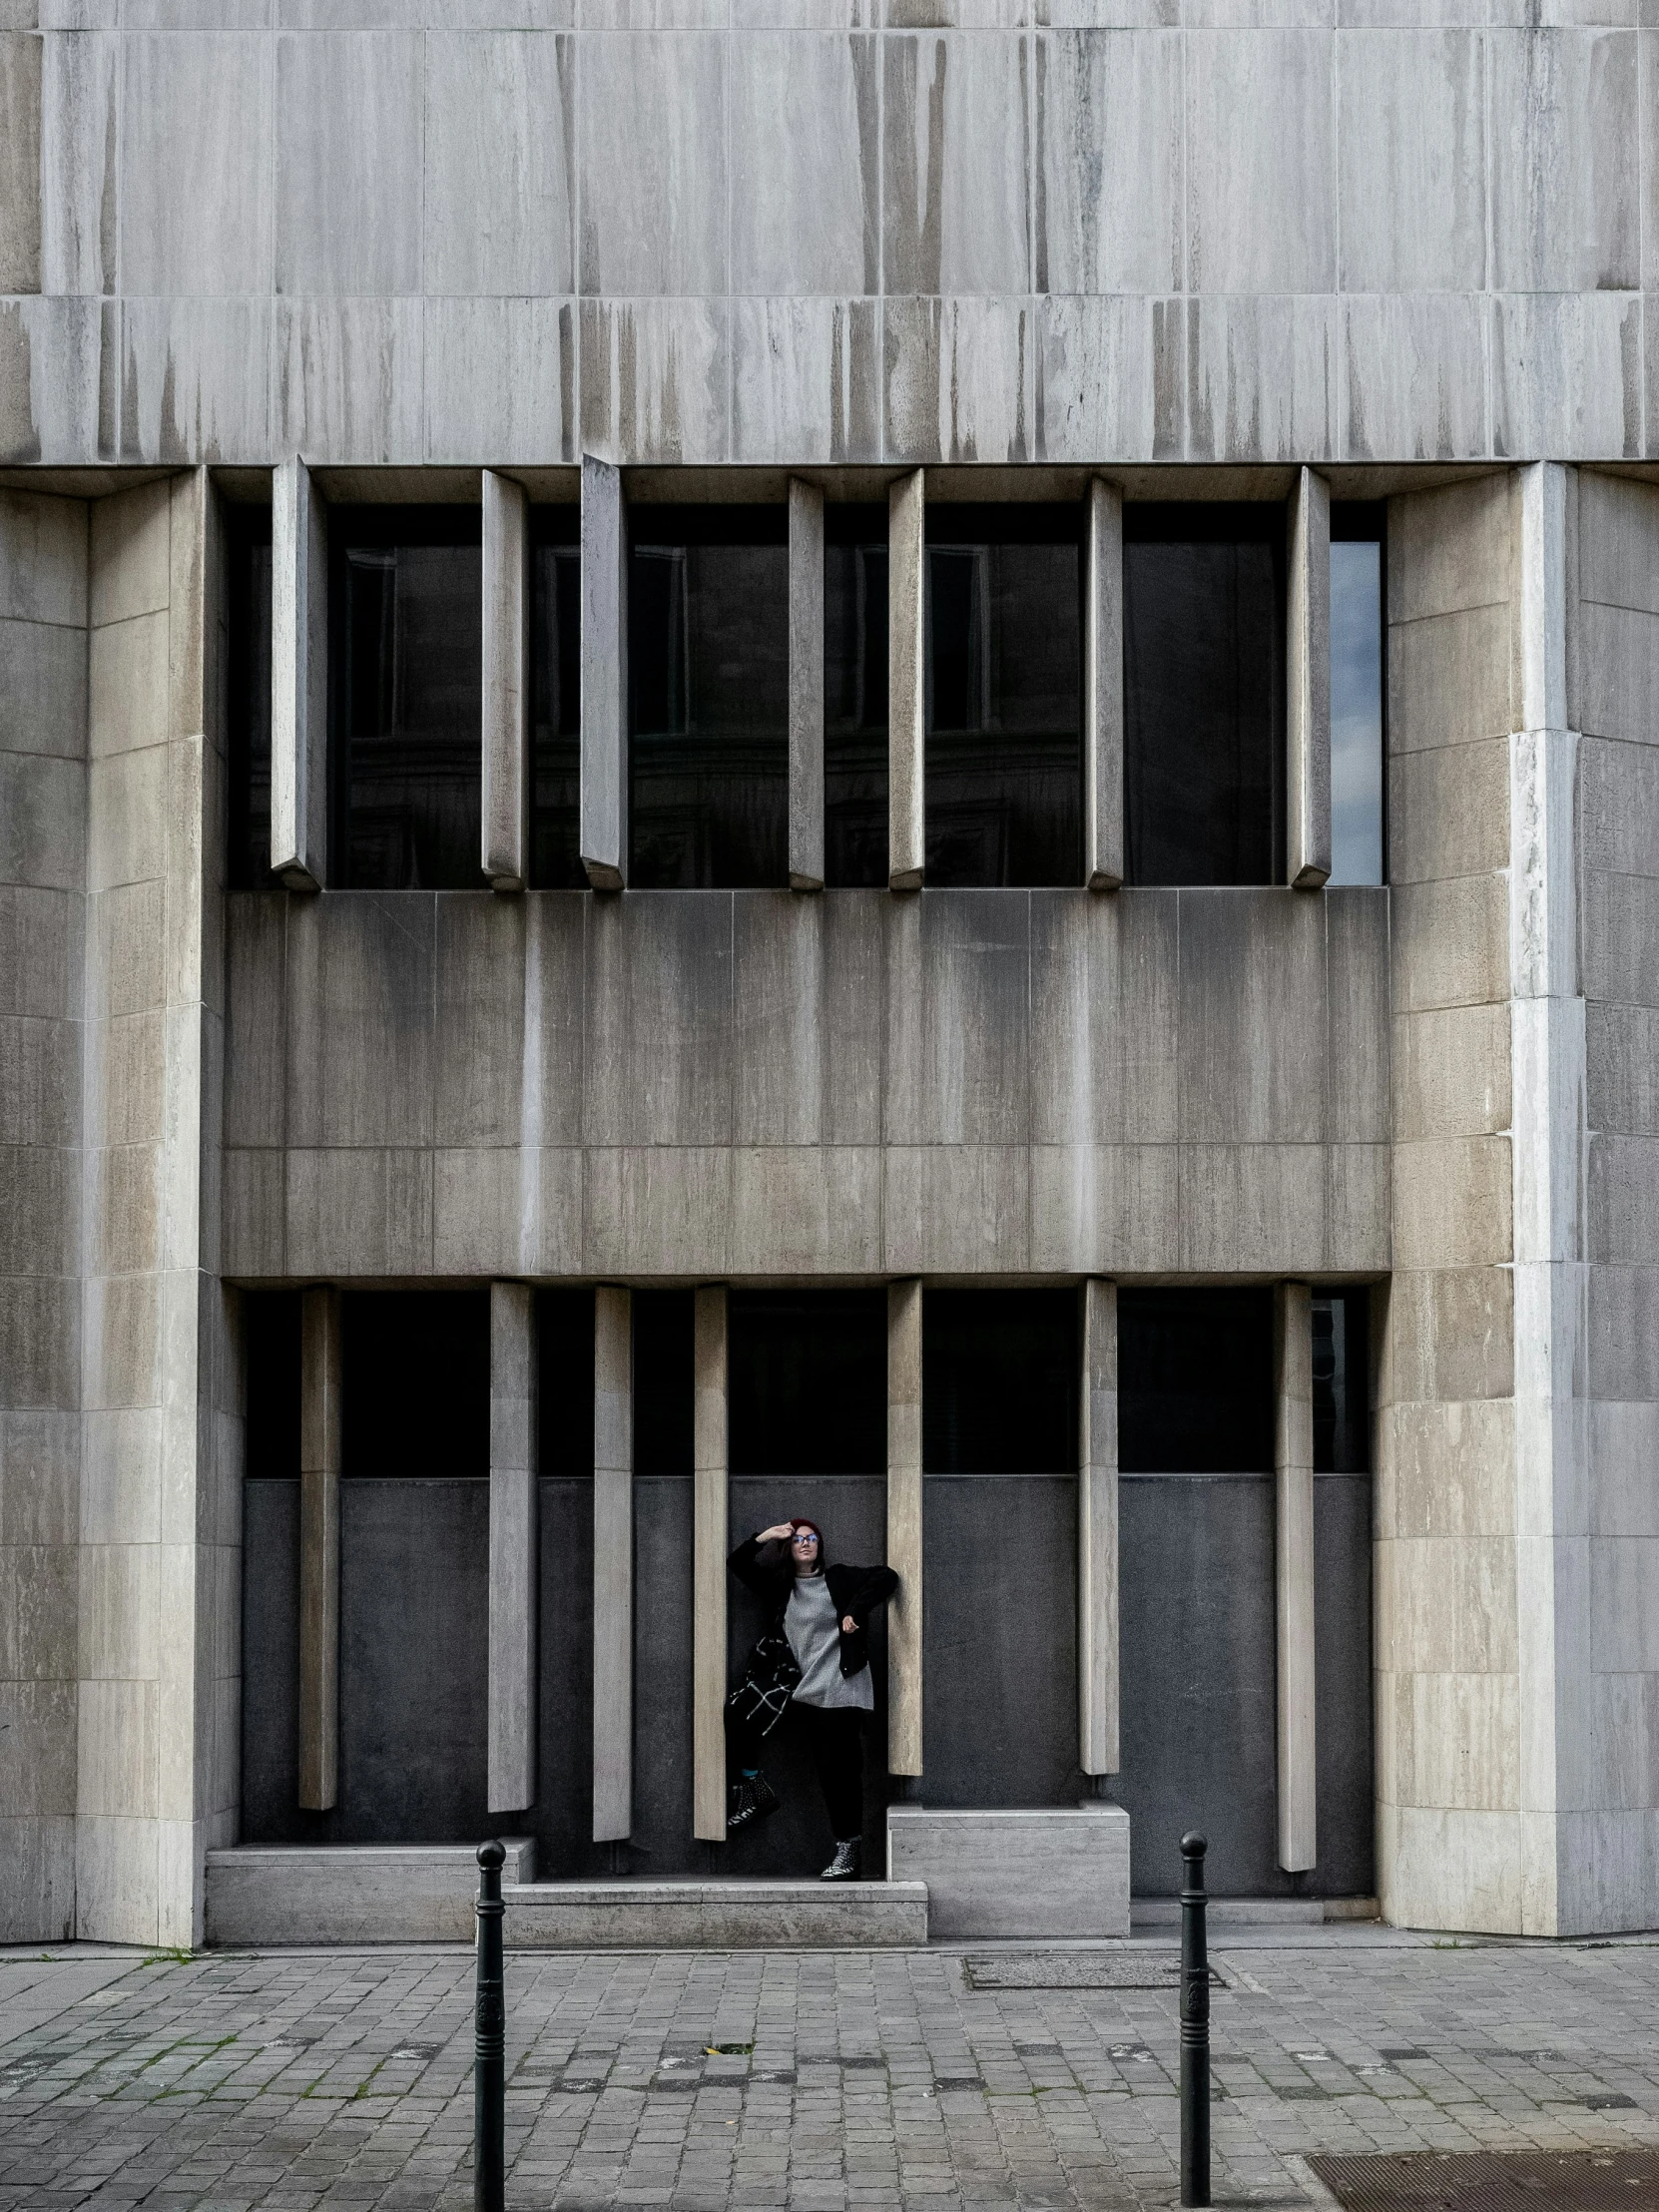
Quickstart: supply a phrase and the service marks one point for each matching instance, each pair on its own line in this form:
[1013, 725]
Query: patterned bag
[768, 1682]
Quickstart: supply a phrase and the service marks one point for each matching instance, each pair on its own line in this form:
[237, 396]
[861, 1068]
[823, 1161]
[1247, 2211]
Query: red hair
[798, 1521]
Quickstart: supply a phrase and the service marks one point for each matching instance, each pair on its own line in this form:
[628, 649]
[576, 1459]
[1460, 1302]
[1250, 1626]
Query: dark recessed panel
[406, 675]
[855, 696]
[1195, 1382]
[662, 1401]
[270, 1668]
[416, 1396]
[564, 1390]
[270, 1338]
[1344, 1771]
[561, 1820]
[556, 699]
[999, 1381]
[247, 696]
[809, 1382]
[1342, 1383]
[662, 1842]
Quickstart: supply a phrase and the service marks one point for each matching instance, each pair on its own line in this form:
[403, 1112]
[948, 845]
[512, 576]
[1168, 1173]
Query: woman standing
[811, 1663]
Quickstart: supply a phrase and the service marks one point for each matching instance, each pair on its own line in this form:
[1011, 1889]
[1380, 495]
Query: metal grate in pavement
[1082, 1970]
[1494, 2181]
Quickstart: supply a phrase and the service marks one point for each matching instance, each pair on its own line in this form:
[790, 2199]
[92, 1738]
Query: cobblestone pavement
[342, 2078]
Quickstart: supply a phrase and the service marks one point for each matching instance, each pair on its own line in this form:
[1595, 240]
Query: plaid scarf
[769, 1680]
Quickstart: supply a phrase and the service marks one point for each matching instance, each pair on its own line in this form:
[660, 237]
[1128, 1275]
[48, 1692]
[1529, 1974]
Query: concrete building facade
[553, 265]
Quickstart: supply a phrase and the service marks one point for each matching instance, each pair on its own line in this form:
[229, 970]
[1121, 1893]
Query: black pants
[835, 1737]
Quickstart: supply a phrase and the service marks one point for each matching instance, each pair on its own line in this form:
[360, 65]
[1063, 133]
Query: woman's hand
[779, 1534]
[848, 1625]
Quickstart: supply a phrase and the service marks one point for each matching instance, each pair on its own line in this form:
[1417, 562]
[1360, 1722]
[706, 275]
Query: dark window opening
[564, 1383]
[709, 670]
[406, 668]
[1359, 697]
[1342, 1383]
[999, 1383]
[663, 1382]
[855, 696]
[271, 1338]
[1204, 692]
[248, 614]
[1195, 1382]
[556, 699]
[808, 1383]
[416, 1395]
[1004, 746]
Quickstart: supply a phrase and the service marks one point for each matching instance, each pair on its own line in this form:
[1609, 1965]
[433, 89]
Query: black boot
[751, 1799]
[845, 1866]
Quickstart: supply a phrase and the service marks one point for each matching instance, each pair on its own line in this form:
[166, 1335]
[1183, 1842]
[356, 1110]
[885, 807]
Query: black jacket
[769, 1570]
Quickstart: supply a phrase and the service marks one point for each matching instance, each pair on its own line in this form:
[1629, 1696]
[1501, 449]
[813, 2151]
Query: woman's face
[804, 1550]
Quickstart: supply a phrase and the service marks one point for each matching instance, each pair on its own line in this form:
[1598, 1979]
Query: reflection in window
[406, 665]
[249, 686]
[854, 697]
[1005, 764]
[1204, 692]
[556, 699]
[709, 667]
[1356, 694]
[1342, 1394]
[1195, 1382]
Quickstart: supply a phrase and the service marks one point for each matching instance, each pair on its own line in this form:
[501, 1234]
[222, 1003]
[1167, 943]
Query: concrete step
[262, 1894]
[714, 1915]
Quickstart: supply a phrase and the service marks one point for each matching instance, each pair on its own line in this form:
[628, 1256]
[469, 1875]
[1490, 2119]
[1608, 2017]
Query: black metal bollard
[1195, 2026]
[489, 2051]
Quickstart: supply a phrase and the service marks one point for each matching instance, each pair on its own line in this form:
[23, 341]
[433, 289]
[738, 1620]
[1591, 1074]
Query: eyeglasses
[804, 1536]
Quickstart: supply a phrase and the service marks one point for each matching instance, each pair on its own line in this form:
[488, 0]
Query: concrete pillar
[298, 679]
[604, 676]
[906, 683]
[507, 770]
[709, 1544]
[905, 1527]
[1308, 687]
[1103, 691]
[1097, 1535]
[515, 1549]
[613, 1564]
[1292, 1343]
[319, 1454]
[805, 686]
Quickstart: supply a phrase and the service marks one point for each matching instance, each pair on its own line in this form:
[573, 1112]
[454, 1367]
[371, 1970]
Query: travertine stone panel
[195, 168]
[500, 377]
[20, 197]
[604, 828]
[1293, 1346]
[346, 379]
[955, 220]
[806, 379]
[1308, 684]
[805, 686]
[906, 683]
[360, 1014]
[904, 1517]
[499, 187]
[42, 775]
[653, 164]
[350, 116]
[1411, 133]
[1103, 690]
[959, 965]
[711, 1539]
[1097, 1535]
[1259, 126]
[298, 679]
[515, 1549]
[320, 1381]
[507, 770]
[613, 1564]
[1109, 217]
[655, 377]
[1564, 173]
[804, 169]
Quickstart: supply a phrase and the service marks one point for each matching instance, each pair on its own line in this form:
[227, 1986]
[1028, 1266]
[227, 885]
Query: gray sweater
[814, 1637]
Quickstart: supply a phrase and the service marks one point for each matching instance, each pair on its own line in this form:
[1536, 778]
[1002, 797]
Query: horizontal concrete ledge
[715, 1915]
[1256, 1912]
[271, 1894]
[1048, 1870]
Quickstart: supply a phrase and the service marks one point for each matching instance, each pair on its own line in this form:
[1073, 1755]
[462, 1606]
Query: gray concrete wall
[43, 801]
[503, 232]
[765, 1085]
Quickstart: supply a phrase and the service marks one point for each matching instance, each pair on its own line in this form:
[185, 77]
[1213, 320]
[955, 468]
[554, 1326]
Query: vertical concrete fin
[319, 1455]
[1548, 545]
[1103, 693]
[515, 1549]
[805, 686]
[1293, 1349]
[604, 676]
[298, 679]
[1308, 668]
[506, 573]
[1097, 1535]
[613, 1564]
[709, 1545]
[905, 1527]
[906, 683]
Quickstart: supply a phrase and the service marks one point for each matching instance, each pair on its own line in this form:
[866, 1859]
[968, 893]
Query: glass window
[270, 1333]
[809, 1382]
[564, 1386]
[1341, 1392]
[999, 1381]
[556, 699]
[854, 697]
[406, 660]
[1204, 692]
[247, 858]
[663, 1385]
[1357, 695]
[1005, 764]
[709, 667]
[1195, 1382]
[416, 1383]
